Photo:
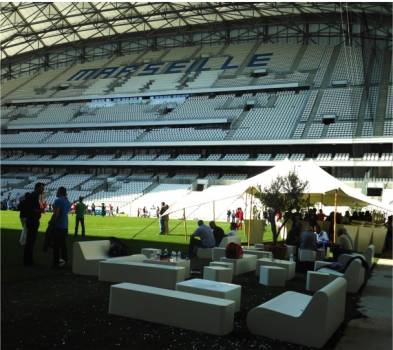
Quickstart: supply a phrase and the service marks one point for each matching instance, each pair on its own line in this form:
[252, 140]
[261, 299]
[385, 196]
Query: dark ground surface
[44, 308]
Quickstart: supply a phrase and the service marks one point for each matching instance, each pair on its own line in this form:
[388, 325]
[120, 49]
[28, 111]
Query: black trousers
[82, 221]
[31, 236]
[194, 242]
[59, 245]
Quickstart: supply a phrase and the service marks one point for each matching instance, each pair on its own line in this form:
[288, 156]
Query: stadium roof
[26, 27]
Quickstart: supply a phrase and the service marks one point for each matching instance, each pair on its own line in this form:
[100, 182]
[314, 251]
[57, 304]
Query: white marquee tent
[322, 188]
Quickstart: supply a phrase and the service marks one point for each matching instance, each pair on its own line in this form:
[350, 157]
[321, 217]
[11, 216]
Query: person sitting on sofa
[218, 232]
[202, 237]
[344, 243]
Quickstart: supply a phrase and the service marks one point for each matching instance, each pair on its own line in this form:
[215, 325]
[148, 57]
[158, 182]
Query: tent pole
[249, 224]
[185, 223]
[214, 210]
[335, 217]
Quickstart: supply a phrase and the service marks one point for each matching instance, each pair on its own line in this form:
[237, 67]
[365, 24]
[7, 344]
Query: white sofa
[87, 254]
[299, 318]
[354, 274]
[207, 253]
[174, 308]
[368, 256]
[121, 270]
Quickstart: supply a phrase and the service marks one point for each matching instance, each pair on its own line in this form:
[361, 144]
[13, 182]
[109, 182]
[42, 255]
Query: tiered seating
[388, 128]
[99, 86]
[179, 53]
[204, 79]
[8, 85]
[387, 156]
[272, 123]
[341, 156]
[236, 156]
[69, 181]
[297, 156]
[315, 131]
[242, 80]
[239, 52]
[140, 176]
[134, 84]
[103, 157]
[125, 156]
[95, 136]
[188, 157]
[309, 105]
[165, 82]
[212, 176]
[281, 156]
[125, 111]
[201, 107]
[275, 78]
[343, 102]
[311, 58]
[185, 177]
[64, 157]
[264, 156]
[24, 137]
[91, 184]
[31, 185]
[282, 57]
[144, 157]
[82, 157]
[324, 156]
[72, 195]
[297, 134]
[372, 100]
[123, 194]
[184, 134]
[389, 103]
[5, 182]
[235, 177]
[14, 194]
[323, 66]
[371, 156]
[349, 65]
[340, 130]
[214, 156]
[30, 157]
[163, 157]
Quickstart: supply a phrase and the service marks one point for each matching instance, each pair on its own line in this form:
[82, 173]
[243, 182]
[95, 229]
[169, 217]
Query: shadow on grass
[12, 253]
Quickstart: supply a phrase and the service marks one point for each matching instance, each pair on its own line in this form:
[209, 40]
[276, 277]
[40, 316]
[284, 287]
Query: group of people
[31, 207]
[208, 236]
[104, 211]
[236, 216]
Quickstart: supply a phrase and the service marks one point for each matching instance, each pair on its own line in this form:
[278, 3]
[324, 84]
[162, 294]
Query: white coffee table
[172, 262]
[212, 289]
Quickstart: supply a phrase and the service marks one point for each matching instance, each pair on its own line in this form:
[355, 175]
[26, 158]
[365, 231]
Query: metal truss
[39, 35]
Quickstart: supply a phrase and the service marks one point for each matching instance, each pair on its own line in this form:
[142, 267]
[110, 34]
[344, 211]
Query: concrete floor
[374, 331]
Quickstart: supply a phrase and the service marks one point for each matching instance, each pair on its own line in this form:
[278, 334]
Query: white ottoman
[243, 265]
[214, 289]
[221, 263]
[290, 266]
[217, 273]
[149, 252]
[272, 276]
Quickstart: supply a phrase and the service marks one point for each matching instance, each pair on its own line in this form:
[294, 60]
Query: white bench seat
[121, 270]
[174, 308]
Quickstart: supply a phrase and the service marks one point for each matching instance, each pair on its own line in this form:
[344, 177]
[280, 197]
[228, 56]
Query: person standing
[33, 212]
[61, 208]
[93, 209]
[80, 209]
[163, 209]
[103, 209]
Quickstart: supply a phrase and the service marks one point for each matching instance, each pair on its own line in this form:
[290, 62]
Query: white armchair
[299, 318]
